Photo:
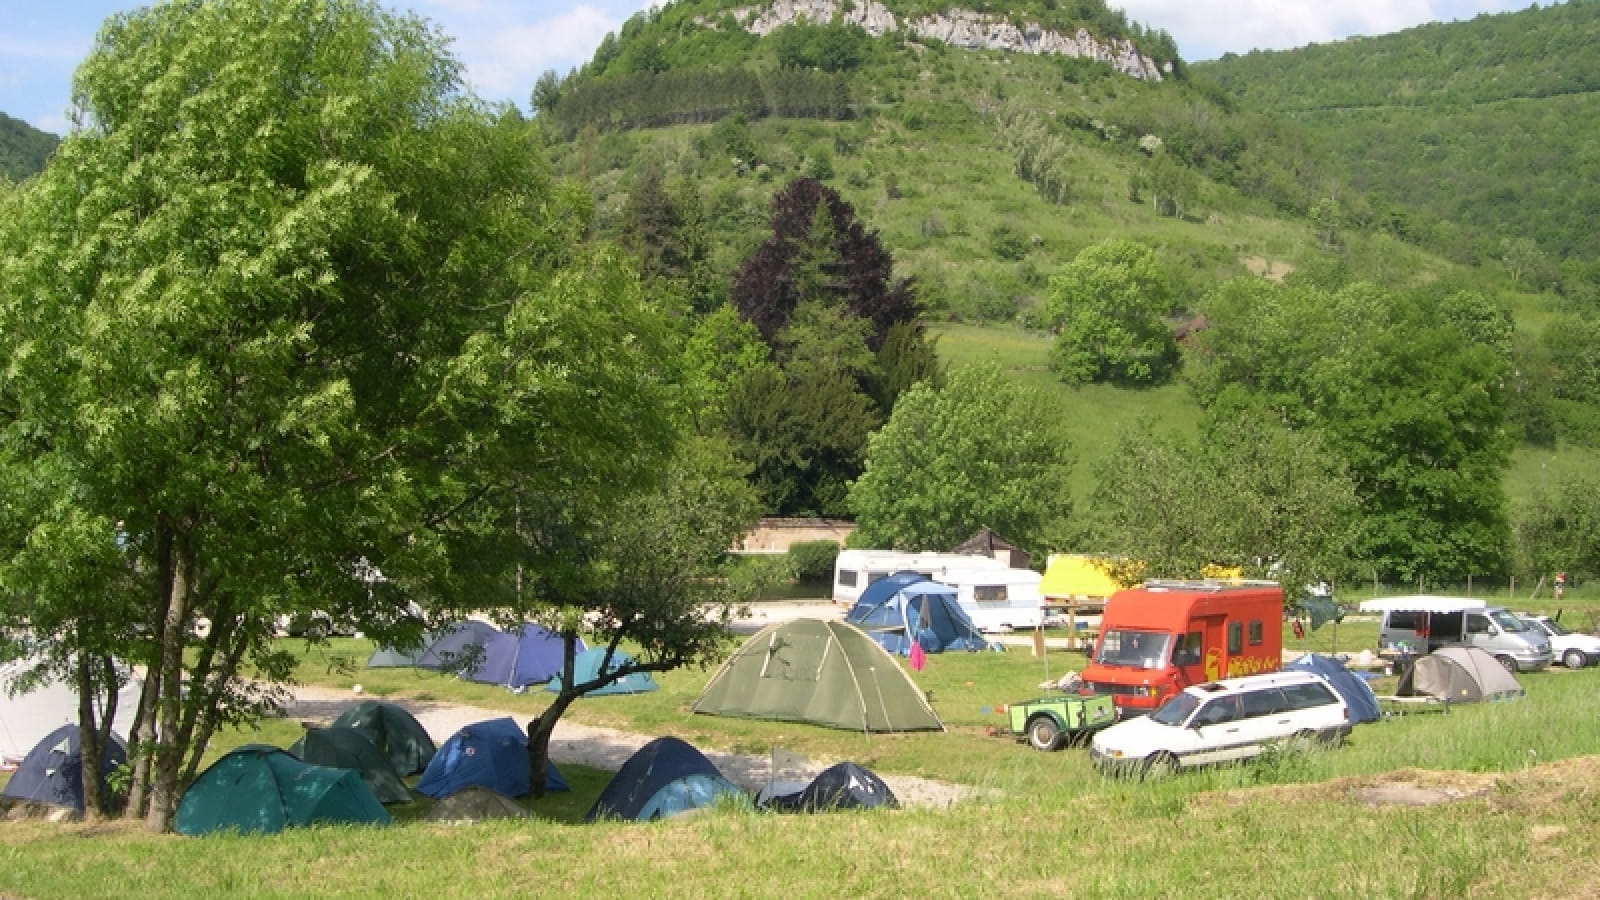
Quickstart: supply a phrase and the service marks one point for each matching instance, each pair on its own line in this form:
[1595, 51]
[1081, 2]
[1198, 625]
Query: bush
[813, 560]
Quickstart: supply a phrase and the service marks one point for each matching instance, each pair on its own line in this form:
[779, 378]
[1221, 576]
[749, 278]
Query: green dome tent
[824, 673]
[346, 748]
[260, 789]
[394, 731]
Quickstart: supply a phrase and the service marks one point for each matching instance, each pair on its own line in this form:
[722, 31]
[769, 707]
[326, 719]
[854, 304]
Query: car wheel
[1044, 734]
[1574, 659]
[1507, 663]
[1160, 766]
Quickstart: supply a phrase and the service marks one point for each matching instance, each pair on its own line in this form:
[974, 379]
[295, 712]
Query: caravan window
[989, 593]
[1255, 632]
[1403, 620]
[847, 578]
[1235, 637]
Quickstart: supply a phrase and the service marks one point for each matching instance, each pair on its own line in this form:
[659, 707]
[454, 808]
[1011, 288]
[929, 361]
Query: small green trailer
[1050, 723]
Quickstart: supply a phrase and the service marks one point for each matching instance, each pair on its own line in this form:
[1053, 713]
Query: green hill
[1469, 137]
[23, 148]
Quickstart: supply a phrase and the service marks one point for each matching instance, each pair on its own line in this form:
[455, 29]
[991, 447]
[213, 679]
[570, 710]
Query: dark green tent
[475, 803]
[395, 732]
[259, 789]
[825, 673]
[347, 748]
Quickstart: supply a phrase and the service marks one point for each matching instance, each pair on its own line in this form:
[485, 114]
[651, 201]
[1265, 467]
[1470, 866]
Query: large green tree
[979, 451]
[289, 305]
[1412, 402]
[1107, 307]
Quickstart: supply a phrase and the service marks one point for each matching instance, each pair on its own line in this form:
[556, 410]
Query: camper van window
[1477, 624]
[847, 578]
[1255, 632]
[989, 593]
[1403, 620]
[1188, 652]
[1508, 621]
[1235, 637]
[1142, 649]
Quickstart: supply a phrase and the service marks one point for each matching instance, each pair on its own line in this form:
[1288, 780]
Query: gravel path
[607, 748]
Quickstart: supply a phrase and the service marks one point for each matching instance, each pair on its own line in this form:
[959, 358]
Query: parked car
[1223, 721]
[1572, 649]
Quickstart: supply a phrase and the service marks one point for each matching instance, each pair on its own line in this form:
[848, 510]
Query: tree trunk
[142, 735]
[168, 755]
[539, 731]
[89, 743]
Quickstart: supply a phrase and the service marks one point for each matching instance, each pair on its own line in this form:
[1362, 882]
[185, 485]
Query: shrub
[813, 560]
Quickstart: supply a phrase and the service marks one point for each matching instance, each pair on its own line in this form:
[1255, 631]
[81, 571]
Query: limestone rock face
[960, 28]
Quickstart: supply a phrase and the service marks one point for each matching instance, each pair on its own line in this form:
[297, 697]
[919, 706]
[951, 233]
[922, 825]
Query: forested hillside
[23, 148]
[1474, 138]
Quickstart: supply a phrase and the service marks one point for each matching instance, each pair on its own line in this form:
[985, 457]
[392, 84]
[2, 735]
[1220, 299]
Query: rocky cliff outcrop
[961, 28]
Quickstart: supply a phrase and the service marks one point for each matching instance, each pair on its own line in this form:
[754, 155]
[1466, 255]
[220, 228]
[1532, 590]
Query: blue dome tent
[923, 611]
[663, 778]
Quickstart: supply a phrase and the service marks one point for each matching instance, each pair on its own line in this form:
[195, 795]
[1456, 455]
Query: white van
[997, 599]
[855, 569]
[1223, 721]
[1423, 623]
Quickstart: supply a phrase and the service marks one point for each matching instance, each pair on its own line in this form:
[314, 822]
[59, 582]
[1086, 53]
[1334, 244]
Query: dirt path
[602, 748]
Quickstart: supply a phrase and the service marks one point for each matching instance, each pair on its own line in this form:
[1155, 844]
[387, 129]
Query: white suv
[1221, 721]
[1570, 648]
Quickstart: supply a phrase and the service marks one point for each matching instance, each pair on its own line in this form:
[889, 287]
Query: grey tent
[1458, 675]
[346, 748]
[475, 804]
[821, 672]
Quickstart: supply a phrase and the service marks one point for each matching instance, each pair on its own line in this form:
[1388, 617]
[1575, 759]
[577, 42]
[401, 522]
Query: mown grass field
[1515, 786]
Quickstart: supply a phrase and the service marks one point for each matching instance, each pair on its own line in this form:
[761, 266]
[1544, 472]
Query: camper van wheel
[1574, 659]
[1160, 766]
[1044, 734]
[1507, 663]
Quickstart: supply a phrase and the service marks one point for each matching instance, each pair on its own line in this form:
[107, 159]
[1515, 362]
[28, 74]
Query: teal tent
[260, 789]
[346, 748]
[586, 667]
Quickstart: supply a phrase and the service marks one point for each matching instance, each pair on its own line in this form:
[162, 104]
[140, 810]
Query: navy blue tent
[456, 646]
[925, 611]
[877, 593]
[586, 667]
[840, 786]
[52, 772]
[665, 777]
[491, 754]
[1352, 688]
[531, 654]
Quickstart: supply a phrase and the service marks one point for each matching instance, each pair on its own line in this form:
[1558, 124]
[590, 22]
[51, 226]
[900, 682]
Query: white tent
[25, 719]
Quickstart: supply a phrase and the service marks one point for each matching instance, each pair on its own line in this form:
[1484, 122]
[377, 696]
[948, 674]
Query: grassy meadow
[1510, 788]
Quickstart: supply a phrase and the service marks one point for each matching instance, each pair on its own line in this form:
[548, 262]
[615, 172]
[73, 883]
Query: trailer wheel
[1044, 734]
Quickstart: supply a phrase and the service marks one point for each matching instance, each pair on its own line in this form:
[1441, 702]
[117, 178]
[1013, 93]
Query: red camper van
[1159, 638]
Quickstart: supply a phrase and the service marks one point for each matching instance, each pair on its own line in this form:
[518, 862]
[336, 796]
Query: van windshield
[1175, 711]
[1507, 621]
[1140, 649]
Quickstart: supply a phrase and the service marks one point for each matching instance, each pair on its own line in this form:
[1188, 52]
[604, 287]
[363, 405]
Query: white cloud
[506, 45]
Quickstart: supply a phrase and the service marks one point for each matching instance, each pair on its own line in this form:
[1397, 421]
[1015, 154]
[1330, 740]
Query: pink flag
[918, 658]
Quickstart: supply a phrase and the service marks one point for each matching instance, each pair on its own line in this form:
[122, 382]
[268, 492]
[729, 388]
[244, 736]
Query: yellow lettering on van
[1250, 665]
[1214, 664]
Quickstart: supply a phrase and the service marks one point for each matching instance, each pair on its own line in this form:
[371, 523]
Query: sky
[506, 44]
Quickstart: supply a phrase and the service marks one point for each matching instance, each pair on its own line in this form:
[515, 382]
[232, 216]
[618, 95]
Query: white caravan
[855, 569]
[998, 599]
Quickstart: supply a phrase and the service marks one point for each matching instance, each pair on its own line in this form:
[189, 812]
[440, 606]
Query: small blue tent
[491, 754]
[586, 667]
[530, 654]
[925, 611]
[256, 788]
[52, 772]
[1352, 688]
[878, 592]
[663, 778]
